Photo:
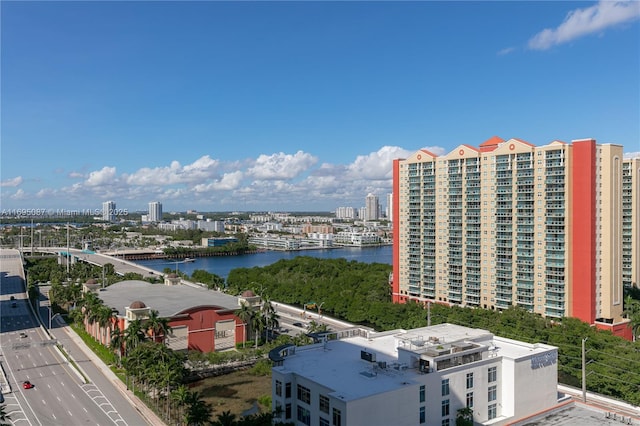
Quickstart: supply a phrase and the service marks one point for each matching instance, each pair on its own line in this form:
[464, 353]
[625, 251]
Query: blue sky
[298, 106]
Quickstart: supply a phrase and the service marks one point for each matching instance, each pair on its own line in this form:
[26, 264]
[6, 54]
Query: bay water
[222, 265]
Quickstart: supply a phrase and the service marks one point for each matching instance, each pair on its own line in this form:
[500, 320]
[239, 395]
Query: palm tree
[245, 313]
[4, 417]
[159, 326]
[270, 316]
[226, 418]
[198, 412]
[181, 397]
[258, 324]
[133, 335]
[117, 341]
[103, 317]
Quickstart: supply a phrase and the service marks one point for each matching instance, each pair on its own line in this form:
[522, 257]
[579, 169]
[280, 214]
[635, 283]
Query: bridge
[121, 266]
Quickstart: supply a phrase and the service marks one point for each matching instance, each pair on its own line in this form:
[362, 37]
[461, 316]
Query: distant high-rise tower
[109, 211]
[552, 229]
[155, 211]
[372, 208]
[389, 211]
[346, 213]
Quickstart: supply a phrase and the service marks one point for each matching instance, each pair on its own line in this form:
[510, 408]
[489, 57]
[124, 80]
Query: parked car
[14, 305]
[23, 335]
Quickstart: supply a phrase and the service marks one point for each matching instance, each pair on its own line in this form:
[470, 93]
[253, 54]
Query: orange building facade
[552, 229]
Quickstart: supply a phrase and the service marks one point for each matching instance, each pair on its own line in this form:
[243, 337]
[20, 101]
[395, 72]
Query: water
[222, 265]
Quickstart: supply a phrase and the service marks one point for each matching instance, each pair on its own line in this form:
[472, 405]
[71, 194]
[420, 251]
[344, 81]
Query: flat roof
[576, 413]
[167, 300]
[337, 364]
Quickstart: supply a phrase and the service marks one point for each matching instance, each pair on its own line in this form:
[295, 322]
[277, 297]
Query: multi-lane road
[61, 394]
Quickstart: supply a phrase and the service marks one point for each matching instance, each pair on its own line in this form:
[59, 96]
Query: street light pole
[584, 372]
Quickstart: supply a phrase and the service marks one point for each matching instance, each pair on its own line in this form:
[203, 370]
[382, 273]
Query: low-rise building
[424, 376]
[200, 319]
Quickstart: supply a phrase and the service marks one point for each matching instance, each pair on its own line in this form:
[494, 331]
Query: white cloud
[201, 169]
[16, 181]
[506, 51]
[632, 154]
[228, 182]
[376, 165]
[277, 181]
[281, 166]
[581, 22]
[20, 195]
[105, 176]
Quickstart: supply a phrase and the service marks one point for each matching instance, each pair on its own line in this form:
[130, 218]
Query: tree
[258, 324]
[464, 417]
[270, 316]
[226, 418]
[181, 397]
[4, 417]
[158, 326]
[245, 313]
[133, 335]
[117, 342]
[198, 412]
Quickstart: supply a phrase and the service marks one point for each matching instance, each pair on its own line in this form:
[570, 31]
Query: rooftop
[167, 300]
[338, 365]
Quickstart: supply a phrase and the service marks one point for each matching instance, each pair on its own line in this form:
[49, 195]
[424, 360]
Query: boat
[188, 260]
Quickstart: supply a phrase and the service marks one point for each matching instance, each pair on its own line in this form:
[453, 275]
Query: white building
[211, 225]
[155, 212]
[389, 210]
[346, 213]
[109, 211]
[356, 238]
[412, 377]
[372, 208]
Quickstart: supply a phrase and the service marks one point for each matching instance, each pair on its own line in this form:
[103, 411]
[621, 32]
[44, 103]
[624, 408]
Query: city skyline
[220, 106]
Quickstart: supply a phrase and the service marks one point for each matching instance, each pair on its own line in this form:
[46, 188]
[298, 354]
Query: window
[445, 408]
[304, 415]
[445, 422]
[493, 374]
[469, 380]
[324, 422]
[324, 404]
[304, 394]
[492, 412]
[423, 415]
[278, 388]
[287, 390]
[445, 387]
[469, 399]
[422, 395]
[493, 393]
[337, 417]
[287, 411]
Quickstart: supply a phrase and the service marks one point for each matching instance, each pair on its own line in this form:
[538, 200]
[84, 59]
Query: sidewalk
[140, 406]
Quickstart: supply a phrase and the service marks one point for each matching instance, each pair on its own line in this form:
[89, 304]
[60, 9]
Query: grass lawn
[235, 392]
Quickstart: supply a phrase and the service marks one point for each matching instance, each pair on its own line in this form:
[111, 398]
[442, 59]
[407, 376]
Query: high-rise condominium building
[553, 228]
[631, 222]
[109, 211]
[389, 210]
[372, 207]
[346, 213]
[155, 211]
